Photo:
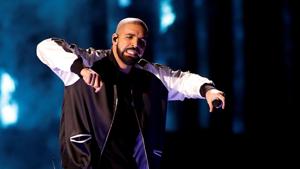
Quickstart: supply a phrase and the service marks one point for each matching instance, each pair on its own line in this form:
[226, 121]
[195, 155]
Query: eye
[128, 36]
[143, 42]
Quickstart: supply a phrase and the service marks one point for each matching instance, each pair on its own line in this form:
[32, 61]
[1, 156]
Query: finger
[97, 89]
[99, 84]
[223, 101]
[222, 98]
[210, 106]
[96, 82]
[89, 79]
[93, 76]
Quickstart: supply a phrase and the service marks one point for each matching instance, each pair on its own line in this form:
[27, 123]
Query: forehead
[132, 28]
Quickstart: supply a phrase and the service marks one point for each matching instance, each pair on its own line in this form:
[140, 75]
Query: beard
[128, 60]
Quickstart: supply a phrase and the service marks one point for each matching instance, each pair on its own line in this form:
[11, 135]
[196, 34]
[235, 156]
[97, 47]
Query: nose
[136, 42]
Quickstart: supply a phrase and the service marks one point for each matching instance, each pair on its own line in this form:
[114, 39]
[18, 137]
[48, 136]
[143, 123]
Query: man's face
[131, 43]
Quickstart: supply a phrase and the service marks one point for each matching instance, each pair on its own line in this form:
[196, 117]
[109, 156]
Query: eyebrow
[144, 37]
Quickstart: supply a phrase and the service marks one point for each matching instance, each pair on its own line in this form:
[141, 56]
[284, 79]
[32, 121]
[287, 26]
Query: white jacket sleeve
[58, 60]
[180, 84]
[67, 60]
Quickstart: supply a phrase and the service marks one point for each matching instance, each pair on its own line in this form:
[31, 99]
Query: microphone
[217, 103]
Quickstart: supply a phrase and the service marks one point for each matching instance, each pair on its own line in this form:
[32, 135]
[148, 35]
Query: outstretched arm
[70, 62]
[183, 85]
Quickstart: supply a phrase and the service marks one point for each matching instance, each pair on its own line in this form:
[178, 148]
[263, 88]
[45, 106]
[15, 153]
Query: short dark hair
[134, 21]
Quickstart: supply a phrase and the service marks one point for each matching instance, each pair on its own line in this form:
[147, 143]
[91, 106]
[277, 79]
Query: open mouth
[132, 52]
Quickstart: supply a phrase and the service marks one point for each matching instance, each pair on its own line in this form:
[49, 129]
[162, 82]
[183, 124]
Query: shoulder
[143, 63]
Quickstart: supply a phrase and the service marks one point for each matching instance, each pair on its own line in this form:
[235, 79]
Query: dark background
[247, 47]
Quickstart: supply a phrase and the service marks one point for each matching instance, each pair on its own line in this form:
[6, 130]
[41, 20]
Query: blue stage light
[8, 107]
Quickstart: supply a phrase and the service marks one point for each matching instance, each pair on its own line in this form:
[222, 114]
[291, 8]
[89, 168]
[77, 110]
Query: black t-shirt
[118, 153]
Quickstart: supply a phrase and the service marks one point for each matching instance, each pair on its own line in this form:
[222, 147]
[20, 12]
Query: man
[115, 102]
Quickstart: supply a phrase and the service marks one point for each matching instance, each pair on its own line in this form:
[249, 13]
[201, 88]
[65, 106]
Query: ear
[114, 38]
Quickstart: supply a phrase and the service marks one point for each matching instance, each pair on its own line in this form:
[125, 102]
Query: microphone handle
[217, 103]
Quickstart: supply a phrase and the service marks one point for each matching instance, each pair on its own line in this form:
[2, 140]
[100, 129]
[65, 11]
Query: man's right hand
[91, 78]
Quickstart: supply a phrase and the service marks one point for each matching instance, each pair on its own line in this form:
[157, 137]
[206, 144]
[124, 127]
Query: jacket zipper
[115, 105]
[139, 125]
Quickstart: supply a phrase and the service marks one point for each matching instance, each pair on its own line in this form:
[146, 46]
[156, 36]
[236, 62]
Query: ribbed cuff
[77, 66]
[206, 87]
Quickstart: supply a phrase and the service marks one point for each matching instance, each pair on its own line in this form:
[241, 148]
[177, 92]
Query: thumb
[210, 105]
